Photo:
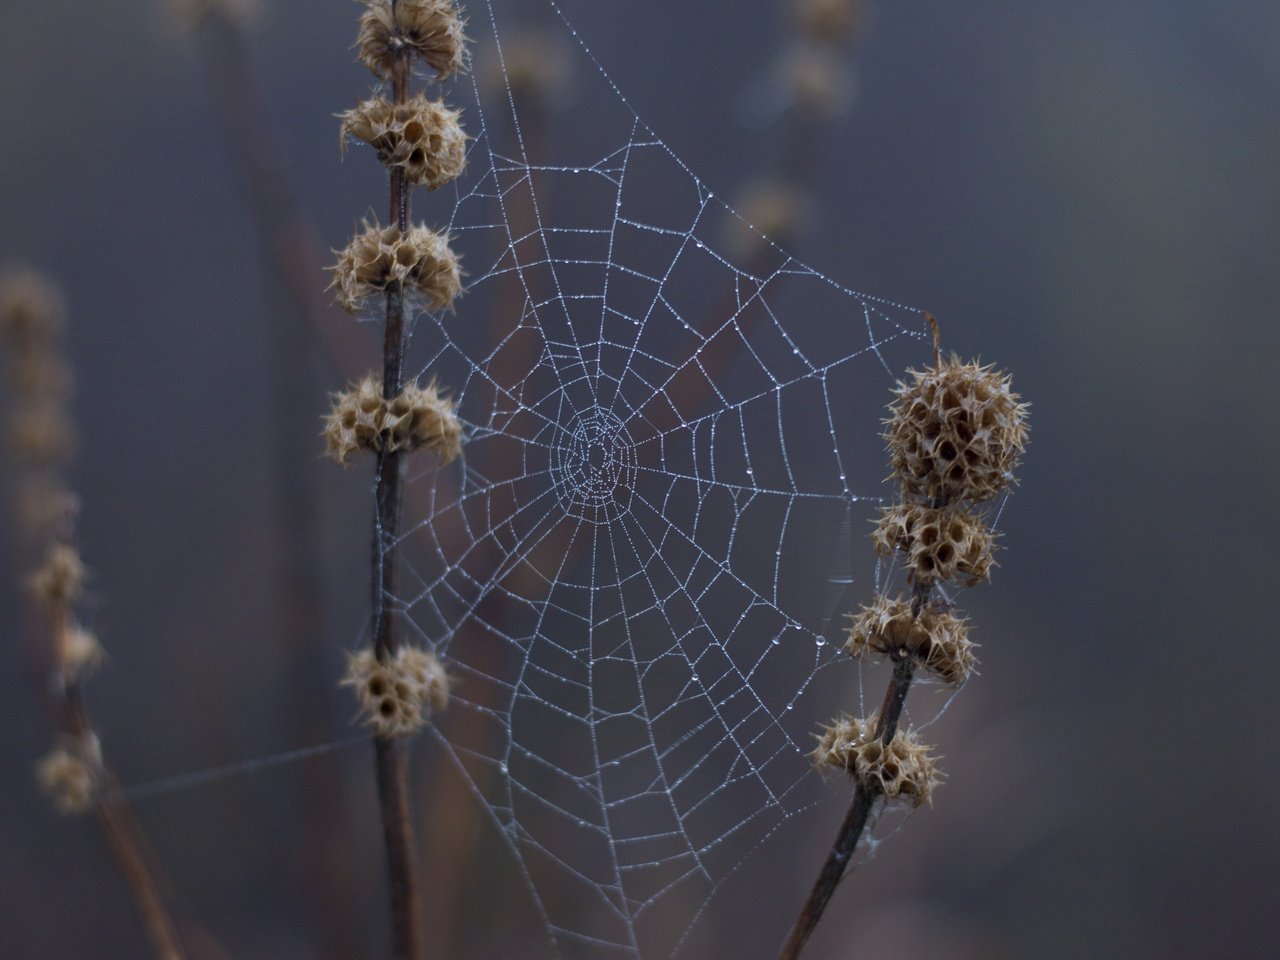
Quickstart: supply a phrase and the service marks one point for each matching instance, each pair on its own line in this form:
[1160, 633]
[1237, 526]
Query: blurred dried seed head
[193, 13]
[535, 65]
[937, 639]
[430, 29]
[45, 508]
[32, 312]
[828, 20]
[818, 81]
[41, 433]
[421, 137]
[775, 208]
[902, 770]
[418, 418]
[80, 653]
[60, 579]
[42, 374]
[949, 544]
[68, 778]
[956, 431]
[395, 697]
[420, 259]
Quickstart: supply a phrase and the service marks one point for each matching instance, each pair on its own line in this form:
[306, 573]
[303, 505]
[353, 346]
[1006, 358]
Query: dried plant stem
[864, 798]
[115, 819]
[391, 755]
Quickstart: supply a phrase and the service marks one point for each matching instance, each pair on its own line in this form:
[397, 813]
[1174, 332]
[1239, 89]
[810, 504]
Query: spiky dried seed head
[903, 770]
[956, 431]
[818, 81]
[418, 418]
[80, 653]
[60, 579]
[829, 19]
[430, 29]
[424, 138]
[775, 208]
[938, 543]
[41, 433]
[937, 640]
[69, 778]
[31, 307]
[396, 696]
[420, 259]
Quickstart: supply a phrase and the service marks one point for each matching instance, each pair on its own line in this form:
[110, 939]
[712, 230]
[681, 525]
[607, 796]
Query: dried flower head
[829, 19]
[31, 307]
[418, 418]
[775, 208]
[396, 696]
[42, 433]
[901, 770]
[936, 639]
[79, 654]
[948, 543]
[69, 778]
[60, 579]
[420, 259]
[422, 137]
[818, 81]
[430, 29]
[956, 431]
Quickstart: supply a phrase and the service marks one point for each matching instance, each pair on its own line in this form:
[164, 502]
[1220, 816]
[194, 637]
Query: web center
[593, 466]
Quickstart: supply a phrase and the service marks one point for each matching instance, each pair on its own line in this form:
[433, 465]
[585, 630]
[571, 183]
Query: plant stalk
[391, 756]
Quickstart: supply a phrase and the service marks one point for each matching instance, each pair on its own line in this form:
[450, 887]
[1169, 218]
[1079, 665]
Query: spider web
[633, 572]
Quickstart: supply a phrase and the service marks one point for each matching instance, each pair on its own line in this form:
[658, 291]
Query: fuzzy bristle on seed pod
[69, 778]
[956, 431]
[60, 579]
[396, 696]
[418, 418]
[422, 137]
[31, 307]
[939, 544]
[936, 639]
[430, 29]
[828, 19]
[420, 259]
[902, 770]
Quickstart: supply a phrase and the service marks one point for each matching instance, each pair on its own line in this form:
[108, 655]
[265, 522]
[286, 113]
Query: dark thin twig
[391, 755]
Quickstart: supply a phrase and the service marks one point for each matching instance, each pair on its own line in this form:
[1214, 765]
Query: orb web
[633, 571]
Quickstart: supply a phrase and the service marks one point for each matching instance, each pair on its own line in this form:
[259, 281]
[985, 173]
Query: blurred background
[1084, 194]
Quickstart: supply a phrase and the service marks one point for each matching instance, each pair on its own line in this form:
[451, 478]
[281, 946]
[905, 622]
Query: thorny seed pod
[60, 579]
[956, 431]
[396, 696]
[420, 259]
[949, 544]
[422, 137]
[828, 19]
[936, 639]
[902, 770]
[69, 778]
[430, 29]
[31, 308]
[418, 418]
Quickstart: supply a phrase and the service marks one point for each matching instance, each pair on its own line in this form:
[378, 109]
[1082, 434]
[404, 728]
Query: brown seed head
[829, 20]
[421, 137]
[420, 259]
[818, 81]
[60, 579]
[68, 778]
[902, 770]
[396, 696]
[31, 308]
[418, 418]
[775, 208]
[80, 653]
[956, 431]
[535, 66]
[937, 639]
[949, 543]
[430, 29]
[41, 433]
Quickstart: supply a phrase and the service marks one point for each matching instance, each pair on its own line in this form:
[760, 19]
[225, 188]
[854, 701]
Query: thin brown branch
[391, 755]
